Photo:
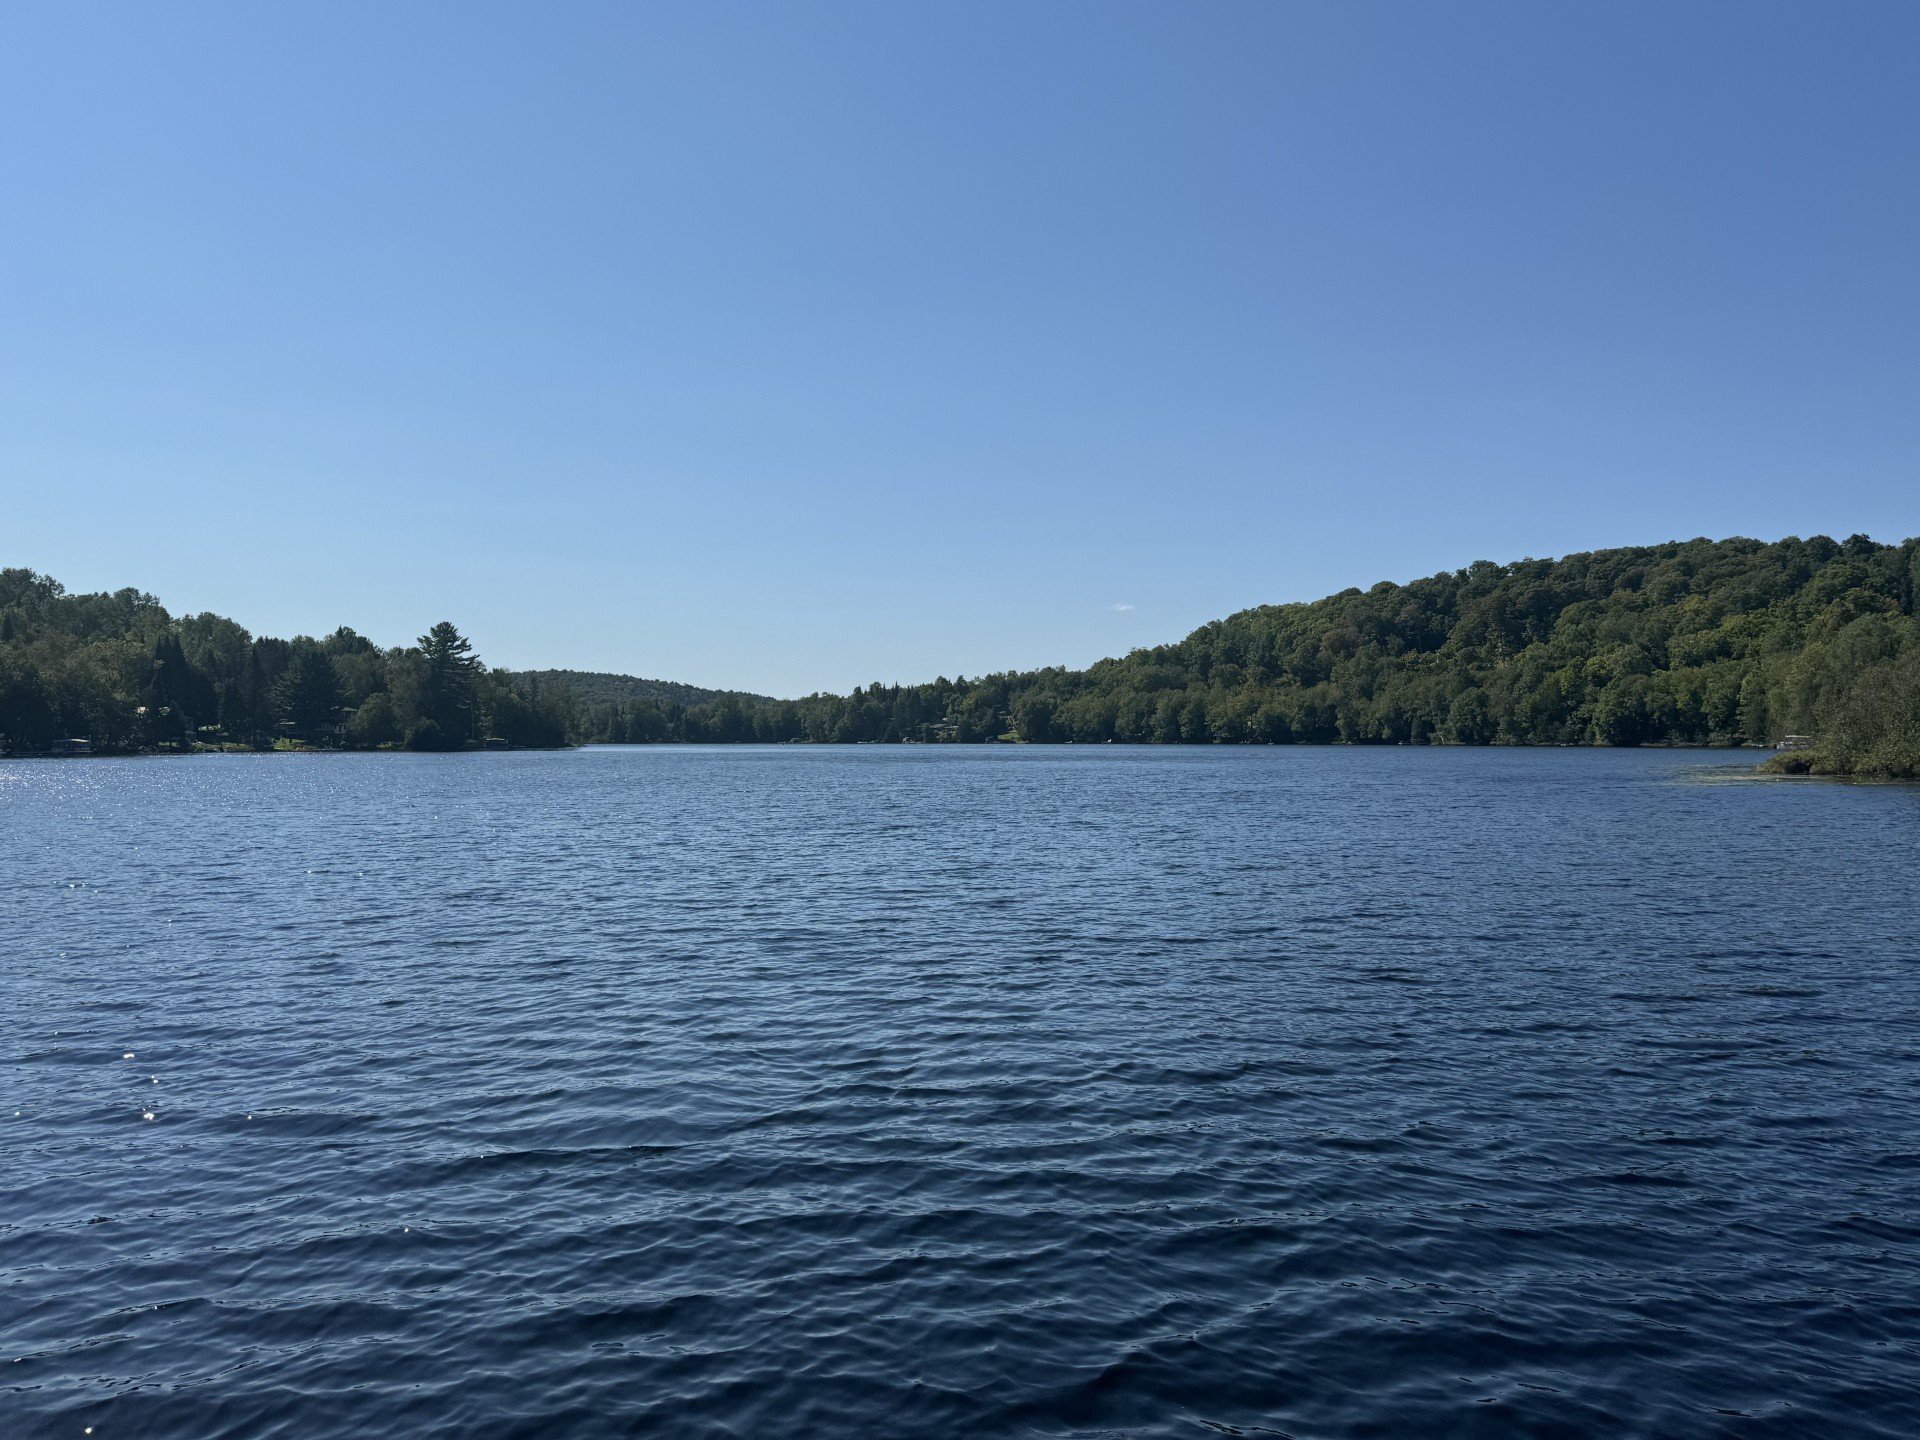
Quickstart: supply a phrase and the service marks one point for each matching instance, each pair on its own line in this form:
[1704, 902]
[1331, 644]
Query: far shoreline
[1762, 770]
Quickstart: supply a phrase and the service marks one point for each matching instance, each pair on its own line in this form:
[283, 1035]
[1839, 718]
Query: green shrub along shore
[1873, 731]
[1690, 643]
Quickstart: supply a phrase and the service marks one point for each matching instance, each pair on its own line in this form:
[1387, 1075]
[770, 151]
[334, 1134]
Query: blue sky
[795, 346]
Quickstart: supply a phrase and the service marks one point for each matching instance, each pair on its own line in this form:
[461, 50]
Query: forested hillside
[1696, 642]
[1693, 642]
[121, 673]
[591, 688]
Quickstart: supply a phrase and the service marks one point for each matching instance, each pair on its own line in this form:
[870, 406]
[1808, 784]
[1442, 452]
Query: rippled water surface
[950, 1092]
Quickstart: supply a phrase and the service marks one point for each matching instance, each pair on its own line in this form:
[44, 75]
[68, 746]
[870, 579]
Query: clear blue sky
[793, 346]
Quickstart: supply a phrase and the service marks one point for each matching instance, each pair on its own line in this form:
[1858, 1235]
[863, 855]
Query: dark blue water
[943, 1092]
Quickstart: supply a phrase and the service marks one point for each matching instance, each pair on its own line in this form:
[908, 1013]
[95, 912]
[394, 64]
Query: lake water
[890, 1092]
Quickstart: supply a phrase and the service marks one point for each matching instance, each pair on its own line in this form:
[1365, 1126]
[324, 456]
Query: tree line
[591, 688]
[120, 672]
[1694, 642]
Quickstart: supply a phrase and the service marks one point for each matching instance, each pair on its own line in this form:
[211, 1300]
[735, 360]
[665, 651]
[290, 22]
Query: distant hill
[1687, 643]
[1692, 642]
[591, 688]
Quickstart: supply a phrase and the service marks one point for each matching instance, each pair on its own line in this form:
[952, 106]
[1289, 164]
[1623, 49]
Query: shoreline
[312, 750]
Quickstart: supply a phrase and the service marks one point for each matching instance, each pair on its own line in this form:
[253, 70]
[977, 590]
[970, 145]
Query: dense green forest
[1699, 642]
[122, 674]
[1695, 642]
[591, 688]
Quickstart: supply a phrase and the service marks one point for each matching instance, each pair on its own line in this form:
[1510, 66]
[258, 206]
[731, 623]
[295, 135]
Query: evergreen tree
[452, 671]
[308, 693]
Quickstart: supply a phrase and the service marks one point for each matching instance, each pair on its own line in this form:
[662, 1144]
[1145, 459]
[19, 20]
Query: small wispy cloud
[1119, 606]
